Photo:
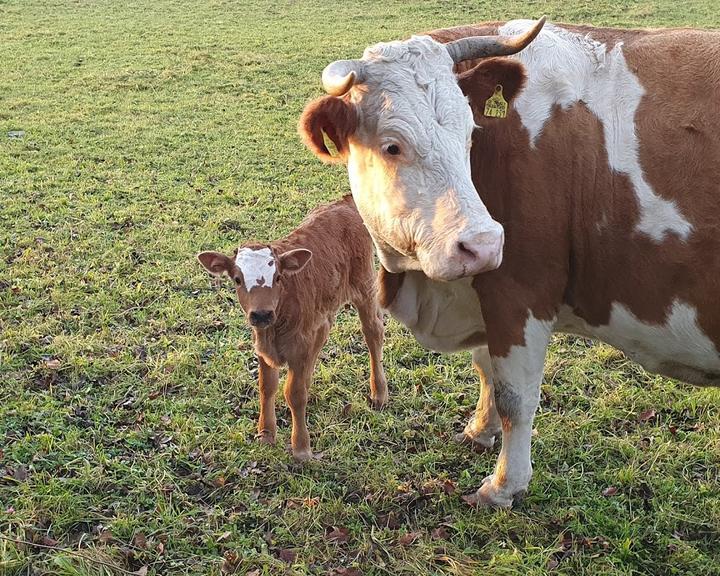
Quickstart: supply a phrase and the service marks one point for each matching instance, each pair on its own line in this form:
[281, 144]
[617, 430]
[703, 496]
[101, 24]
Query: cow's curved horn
[484, 46]
[339, 76]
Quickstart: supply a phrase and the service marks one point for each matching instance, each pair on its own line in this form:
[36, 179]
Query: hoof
[266, 438]
[482, 442]
[489, 496]
[302, 455]
[378, 403]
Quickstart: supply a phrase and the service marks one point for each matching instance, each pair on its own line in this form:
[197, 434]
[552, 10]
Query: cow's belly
[678, 348]
[443, 316]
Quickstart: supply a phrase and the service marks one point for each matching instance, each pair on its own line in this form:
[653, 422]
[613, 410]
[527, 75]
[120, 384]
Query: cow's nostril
[465, 251]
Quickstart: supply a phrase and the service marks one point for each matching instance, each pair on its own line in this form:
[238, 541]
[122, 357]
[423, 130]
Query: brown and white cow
[604, 174]
[291, 289]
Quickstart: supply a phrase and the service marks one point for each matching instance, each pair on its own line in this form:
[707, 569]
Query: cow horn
[339, 76]
[484, 46]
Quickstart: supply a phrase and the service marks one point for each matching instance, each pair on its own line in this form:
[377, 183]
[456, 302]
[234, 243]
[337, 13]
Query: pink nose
[480, 253]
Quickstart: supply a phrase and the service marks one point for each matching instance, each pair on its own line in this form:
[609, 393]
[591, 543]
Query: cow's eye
[393, 150]
[237, 280]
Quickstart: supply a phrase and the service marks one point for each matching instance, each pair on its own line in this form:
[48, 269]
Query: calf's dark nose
[261, 318]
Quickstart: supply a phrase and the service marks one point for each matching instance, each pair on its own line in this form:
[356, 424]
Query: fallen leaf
[47, 541]
[53, 364]
[142, 571]
[20, 474]
[346, 572]
[287, 555]
[224, 536]
[409, 538]
[440, 533]
[255, 572]
[552, 564]
[347, 408]
[230, 562]
[610, 491]
[139, 541]
[219, 482]
[646, 415]
[337, 535]
[160, 548]
[449, 487]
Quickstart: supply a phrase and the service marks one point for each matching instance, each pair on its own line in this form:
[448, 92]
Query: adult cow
[605, 176]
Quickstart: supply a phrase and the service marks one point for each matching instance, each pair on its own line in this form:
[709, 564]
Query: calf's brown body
[325, 263]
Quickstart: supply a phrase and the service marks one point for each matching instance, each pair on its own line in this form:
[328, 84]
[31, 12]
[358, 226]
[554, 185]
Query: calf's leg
[301, 365]
[484, 425]
[374, 331]
[268, 386]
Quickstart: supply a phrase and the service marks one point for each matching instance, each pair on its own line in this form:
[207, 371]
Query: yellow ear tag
[330, 145]
[496, 106]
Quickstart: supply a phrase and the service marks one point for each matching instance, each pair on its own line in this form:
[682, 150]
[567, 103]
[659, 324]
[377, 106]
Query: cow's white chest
[677, 348]
[443, 316]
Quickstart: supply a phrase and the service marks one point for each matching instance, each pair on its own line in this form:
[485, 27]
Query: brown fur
[305, 304]
[336, 117]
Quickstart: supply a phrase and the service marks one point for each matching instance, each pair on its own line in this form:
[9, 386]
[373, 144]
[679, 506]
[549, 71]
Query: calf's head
[401, 123]
[258, 273]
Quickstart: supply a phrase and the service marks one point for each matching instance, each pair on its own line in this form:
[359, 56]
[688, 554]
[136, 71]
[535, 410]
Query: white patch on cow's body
[257, 267]
[677, 348]
[442, 316]
[564, 69]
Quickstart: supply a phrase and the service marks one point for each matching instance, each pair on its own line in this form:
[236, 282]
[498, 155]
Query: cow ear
[479, 83]
[292, 261]
[331, 116]
[215, 263]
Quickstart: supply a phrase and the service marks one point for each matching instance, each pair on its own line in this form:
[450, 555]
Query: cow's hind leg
[484, 425]
[518, 376]
[373, 331]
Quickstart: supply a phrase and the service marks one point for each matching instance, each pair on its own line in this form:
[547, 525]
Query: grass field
[153, 130]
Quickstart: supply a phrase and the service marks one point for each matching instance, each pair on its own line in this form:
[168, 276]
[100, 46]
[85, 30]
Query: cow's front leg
[518, 376]
[484, 425]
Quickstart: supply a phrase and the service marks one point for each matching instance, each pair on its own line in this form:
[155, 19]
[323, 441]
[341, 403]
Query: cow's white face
[409, 164]
[401, 123]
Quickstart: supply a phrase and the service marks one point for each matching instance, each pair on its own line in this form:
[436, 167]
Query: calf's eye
[393, 150]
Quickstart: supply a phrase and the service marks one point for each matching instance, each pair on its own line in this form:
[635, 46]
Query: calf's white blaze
[564, 69]
[257, 267]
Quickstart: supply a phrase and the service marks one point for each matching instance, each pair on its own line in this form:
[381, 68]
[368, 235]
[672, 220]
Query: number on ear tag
[496, 106]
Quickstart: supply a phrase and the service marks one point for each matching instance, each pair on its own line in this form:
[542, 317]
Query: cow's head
[399, 120]
[258, 273]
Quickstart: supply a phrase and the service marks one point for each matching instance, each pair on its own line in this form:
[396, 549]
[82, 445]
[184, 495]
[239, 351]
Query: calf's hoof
[379, 402]
[266, 437]
[302, 455]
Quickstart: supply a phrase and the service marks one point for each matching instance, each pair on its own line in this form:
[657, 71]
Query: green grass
[157, 129]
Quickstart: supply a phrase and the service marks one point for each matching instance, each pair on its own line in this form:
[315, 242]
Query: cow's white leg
[484, 425]
[517, 394]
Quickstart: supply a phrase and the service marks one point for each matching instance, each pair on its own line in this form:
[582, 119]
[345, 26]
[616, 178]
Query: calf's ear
[292, 261]
[479, 83]
[215, 263]
[334, 117]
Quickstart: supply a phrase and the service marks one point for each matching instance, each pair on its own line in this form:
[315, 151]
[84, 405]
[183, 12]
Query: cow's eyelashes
[237, 280]
[392, 149]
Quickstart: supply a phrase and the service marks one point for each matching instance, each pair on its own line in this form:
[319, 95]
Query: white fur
[257, 267]
[520, 372]
[564, 69]
[441, 315]
[419, 205]
[679, 340]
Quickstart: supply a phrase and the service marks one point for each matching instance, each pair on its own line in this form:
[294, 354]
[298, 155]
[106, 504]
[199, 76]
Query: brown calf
[291, 290]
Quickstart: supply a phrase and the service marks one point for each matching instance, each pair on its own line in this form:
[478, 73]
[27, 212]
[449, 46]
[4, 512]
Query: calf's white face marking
[257, 267]
[564, 69]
